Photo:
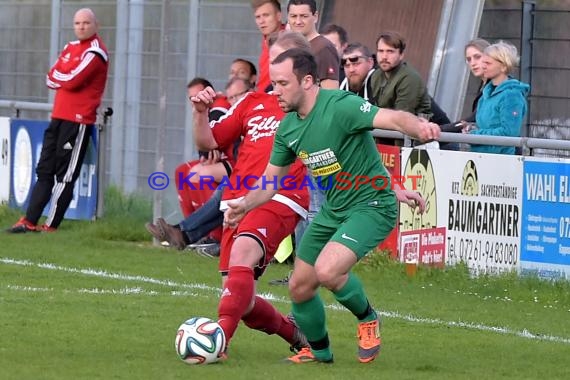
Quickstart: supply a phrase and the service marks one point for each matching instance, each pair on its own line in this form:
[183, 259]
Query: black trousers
[64, 147]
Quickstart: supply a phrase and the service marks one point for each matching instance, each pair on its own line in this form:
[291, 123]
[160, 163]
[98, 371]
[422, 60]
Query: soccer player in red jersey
[247, 249]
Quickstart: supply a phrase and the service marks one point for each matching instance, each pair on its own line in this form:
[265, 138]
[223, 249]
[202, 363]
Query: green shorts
[361, 229]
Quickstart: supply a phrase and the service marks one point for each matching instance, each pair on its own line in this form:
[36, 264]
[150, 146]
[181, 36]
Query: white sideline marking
[124, 291]
[105, 274]
[128, 291]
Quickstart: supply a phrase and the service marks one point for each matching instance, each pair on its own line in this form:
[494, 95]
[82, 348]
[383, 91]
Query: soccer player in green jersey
[329, 130]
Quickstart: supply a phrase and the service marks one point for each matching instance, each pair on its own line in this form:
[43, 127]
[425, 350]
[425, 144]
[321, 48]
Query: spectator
[78, 76]
[358, 68]
[397, 85]
[502, 107]
[242, 68]
[208, 217]
[473, 56]
[220, 105]
[338, 36]
[190, 199]
[267, 15]
[302, 16]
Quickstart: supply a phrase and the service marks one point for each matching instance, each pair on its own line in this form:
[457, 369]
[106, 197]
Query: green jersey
[335, 143]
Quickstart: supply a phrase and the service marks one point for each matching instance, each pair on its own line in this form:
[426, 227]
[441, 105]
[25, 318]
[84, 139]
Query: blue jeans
[317, 198]
[205, 219]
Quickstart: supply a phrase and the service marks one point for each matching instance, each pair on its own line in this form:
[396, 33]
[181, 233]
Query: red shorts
[276, 219]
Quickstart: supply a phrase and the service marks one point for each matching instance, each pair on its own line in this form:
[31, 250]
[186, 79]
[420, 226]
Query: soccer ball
[199, 340]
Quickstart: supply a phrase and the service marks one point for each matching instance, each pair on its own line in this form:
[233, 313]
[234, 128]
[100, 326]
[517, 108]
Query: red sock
[265, 317]
[235, 299]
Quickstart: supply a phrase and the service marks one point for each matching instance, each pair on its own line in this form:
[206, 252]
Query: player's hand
[427, 131]
[213, 157]
[234, 214]
[411, 198]
[202, 100]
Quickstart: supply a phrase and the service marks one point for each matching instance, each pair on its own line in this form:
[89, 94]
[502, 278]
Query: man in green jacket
[397, 85]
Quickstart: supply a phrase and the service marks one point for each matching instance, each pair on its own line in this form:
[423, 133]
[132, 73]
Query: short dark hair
[199, 80]
[303, 63]
[258, 3]
[311, 3]
[334, 28]
[252, 69]
[393, 39]
[357, 46]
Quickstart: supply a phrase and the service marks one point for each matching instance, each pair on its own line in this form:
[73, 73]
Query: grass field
[98, 301]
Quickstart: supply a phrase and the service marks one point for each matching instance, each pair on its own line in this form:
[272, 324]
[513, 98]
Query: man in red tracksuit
[78, 77]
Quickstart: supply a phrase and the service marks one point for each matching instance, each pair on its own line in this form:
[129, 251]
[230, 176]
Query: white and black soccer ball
[200, 340]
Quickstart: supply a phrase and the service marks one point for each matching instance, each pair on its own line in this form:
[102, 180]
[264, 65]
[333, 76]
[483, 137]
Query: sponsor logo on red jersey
[262, 127]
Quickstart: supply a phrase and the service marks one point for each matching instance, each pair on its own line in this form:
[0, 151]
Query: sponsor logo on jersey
[262, 127]
[323, 162]
[365, 107]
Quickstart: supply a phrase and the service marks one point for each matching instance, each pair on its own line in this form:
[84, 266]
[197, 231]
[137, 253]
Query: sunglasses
[344, 61]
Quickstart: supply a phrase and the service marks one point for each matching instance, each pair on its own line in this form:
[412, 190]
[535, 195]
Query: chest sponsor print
[323, 162]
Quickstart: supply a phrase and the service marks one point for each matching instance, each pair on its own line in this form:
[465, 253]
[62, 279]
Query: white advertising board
[477, 198]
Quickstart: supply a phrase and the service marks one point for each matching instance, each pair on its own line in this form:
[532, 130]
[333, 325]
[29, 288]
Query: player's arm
[203, 136]
[406, 123]
[263, 190]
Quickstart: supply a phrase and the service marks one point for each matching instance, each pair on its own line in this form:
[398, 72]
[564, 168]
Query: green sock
[352, 296]
[323, 355]
[311, 319]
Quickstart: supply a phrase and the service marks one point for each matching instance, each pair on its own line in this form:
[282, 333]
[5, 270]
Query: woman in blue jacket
[503, 106]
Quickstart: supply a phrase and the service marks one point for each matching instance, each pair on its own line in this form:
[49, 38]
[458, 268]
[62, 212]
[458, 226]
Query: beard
[287, 106]
[355, 83]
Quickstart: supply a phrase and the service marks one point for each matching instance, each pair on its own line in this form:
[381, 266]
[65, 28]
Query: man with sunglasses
[358, 67]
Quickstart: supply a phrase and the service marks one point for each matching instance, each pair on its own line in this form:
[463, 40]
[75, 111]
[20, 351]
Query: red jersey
[79, 77]
[256, 118]
[219, 108]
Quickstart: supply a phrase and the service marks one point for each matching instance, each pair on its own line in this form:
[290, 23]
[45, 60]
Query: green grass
[97, 301]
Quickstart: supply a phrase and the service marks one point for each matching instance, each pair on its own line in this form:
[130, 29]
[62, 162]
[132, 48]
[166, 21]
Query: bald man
[78, 78]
